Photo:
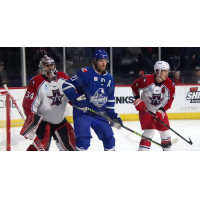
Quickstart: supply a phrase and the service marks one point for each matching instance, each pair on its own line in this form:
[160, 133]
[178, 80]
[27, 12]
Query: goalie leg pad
[31, 148]
[31, 125]
[66, 137]
[59, 146]
[41, 145]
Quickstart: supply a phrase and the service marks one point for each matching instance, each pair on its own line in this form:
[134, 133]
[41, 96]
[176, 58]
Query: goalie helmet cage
[5, 135]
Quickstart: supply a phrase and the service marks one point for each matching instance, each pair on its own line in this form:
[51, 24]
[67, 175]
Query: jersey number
[29, 95]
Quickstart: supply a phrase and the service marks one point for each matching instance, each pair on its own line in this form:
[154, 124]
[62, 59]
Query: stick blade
[5, 86]
[172, 142]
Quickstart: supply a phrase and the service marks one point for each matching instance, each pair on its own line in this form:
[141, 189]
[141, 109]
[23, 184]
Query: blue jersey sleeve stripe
[67, 86]
[110, 107]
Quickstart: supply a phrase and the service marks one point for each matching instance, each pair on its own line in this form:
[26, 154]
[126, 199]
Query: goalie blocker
[31, 125]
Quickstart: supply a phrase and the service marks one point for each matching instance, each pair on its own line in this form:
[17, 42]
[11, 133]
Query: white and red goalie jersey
[46, 98]
[154, 95]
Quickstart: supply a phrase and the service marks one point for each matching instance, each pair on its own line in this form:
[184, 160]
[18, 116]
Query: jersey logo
[150, 89]
[46, 87]
[84, 70]
[98, 99]
[109, 83]
[156, 99]
[57, 97]
[73, 78]
[95, 78]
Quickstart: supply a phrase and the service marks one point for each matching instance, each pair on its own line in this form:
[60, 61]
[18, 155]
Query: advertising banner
[187, 102]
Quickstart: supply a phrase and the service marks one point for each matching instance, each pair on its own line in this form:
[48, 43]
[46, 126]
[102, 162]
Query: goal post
[5, 120]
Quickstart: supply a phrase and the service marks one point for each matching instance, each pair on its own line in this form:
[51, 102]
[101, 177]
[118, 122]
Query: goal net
[5, 143]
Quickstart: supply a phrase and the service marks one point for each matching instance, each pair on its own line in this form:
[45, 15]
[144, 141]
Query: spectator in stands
[149, 58]
[39, 51]
[3, 75]
[140, 74]
[131, 62]
[176, 79]
[193, 77]
[18, 81]
[171, 55]
[189, 58]
[75, 54]
[197, 68]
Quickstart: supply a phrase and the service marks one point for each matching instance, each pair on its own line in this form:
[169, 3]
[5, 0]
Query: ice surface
[128, 141]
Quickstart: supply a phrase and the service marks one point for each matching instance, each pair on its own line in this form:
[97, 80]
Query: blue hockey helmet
[99, 54]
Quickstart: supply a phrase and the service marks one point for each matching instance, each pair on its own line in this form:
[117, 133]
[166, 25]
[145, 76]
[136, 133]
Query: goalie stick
[5, 86]
[173, 141]
[152, 114]
[36, 141]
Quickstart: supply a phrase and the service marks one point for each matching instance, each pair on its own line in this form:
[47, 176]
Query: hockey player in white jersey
[44, 105]
[157, 95]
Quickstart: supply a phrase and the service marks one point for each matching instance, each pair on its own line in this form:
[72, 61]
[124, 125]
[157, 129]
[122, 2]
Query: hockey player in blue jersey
[93, 87]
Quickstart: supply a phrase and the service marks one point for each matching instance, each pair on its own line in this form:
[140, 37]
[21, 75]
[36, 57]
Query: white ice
[126, 140]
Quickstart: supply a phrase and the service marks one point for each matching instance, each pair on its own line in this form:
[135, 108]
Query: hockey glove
[80, 102]
[117, 122]
[160, 114]
[139, 105]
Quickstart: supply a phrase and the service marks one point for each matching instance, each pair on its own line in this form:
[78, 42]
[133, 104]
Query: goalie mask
[47, 66]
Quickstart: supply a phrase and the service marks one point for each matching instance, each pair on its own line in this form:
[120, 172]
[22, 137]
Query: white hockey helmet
[161, 65]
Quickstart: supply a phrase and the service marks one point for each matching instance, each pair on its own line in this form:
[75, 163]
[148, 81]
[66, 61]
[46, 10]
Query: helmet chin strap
[158, 75]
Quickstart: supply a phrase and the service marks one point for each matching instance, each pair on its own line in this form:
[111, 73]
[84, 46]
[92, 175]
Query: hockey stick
[173, 141]
[152, 114]
[5, 86]
[36, 141]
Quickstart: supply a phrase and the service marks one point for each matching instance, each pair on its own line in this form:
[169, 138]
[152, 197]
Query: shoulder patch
[84, 70]
[173, 84]
[144, 78]
[32, 82]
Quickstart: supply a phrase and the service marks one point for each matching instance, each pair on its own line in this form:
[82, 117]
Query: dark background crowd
[128, 63]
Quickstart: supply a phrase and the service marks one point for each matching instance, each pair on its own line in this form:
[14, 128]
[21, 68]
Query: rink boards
[186, 104]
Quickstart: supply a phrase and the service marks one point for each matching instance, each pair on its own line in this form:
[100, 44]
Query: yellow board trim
[124, 117]
[171, 116]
